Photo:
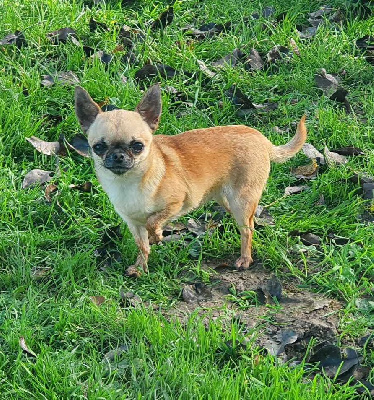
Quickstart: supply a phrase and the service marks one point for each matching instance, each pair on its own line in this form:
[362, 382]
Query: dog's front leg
[140, 234]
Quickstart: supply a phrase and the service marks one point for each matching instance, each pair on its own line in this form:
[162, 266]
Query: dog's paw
[243, 262]
[133, 271]
[155, 239]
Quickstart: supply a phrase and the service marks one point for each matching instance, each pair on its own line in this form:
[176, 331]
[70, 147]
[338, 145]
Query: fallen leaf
[40, 273]
[307, 32]
[368, 191]
[207, 30]
[311, 152]
[263, 217]
[308, 171]
[294, 190]
[128, 36]
[85, 187]
[189, 294]
[278, 53]
[51, 188]
[277, 345]
[361, 178]
[334, 158]
[205, 69]
[115, 354]
[310, 239]
[80, 144]
[326, 82]
[130, 299]
[61, 35]
[238, 98]
[47, 80]
[330, 360]
[88, 51]
[272, 289]
[366, 44]
[105, 58]
[48, 148]
[196, 292]
[24, 347]
[194, 249]
[150, 71]
[338, 240]
[340, 97]
[166, 18]
[94, 25]
[195, 227]
[254, 61]
[14, 39]
[348, 151]
[229, 60]
[268, 12]
[98, 300]
[324, 11]
[174, 227]
[365, 304]
[295, 48]
[65, 78]
[36, 176]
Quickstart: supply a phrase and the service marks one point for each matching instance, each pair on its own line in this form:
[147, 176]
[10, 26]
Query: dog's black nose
[117, 157]
[119, 161]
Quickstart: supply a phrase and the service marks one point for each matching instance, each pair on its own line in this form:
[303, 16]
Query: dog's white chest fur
[126, 195]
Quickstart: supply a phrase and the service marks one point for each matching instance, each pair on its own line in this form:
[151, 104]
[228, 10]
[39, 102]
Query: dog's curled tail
[283, 153]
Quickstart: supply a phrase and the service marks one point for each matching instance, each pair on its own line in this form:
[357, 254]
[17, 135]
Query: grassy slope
[56, 316]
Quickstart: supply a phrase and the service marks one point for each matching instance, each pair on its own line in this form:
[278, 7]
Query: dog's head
[119, 139]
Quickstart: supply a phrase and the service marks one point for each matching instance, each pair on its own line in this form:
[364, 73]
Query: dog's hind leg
[243, 212]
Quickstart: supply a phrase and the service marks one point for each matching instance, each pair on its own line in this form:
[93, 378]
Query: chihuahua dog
[152, 179]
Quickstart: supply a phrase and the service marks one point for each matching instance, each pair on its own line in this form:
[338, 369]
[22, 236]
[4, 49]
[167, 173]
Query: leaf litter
[79, 143]
[48, 148]
[14, 39]
[36, 176]
[25, 347]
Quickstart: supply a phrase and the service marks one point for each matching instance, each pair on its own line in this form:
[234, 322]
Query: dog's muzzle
[119, 161]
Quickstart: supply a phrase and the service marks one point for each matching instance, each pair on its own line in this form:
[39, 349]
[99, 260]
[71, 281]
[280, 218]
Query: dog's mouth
[118, 170]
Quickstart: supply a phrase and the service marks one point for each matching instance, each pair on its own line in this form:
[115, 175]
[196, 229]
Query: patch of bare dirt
[278, 309]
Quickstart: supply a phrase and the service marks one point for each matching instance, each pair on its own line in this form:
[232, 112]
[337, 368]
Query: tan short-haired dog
[154, 179]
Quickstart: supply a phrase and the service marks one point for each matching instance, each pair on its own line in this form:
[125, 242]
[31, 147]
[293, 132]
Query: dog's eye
[99, 147]
[137, 147]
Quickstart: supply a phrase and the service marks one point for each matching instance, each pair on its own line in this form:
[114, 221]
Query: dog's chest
[127, 197]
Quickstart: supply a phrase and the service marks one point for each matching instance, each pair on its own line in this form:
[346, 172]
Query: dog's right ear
[85, 108]
[150, 106]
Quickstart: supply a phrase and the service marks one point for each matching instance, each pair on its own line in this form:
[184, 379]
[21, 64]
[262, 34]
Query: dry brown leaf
[98, 300]
[22, 343]
[36, 176]
[308, 171]
[295, 48]
[80, 144]
[205, 69]
[294, 190]
[263, 217]
[40, 273]
[51, 188]
[47, 148]
[85, 187]
[334, 158]
[311, 152]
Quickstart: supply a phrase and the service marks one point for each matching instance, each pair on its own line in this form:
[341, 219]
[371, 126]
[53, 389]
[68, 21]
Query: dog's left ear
[85, 108]
[150, 106]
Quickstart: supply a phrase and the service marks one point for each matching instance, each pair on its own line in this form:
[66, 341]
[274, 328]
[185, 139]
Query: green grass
[168, 359]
